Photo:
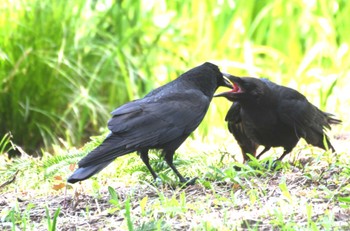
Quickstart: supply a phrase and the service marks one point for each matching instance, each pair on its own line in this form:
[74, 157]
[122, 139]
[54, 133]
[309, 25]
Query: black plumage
[268, 114]
[163, 119]
[236, 128]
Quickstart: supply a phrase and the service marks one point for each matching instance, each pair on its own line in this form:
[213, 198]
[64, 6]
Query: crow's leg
[320, 144]
[263, 151]
[168, 156]
[246, 157]
[279, 160]
[145, 159]
[286, 151]
[330, 146]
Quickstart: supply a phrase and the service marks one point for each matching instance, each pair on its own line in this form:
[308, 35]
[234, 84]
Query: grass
[62, 71]
[309, 192]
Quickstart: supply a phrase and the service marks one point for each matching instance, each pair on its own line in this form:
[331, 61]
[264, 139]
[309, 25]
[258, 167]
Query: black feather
[163, 119]
[268, 114]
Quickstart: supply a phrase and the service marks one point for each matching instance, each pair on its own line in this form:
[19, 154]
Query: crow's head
[246, 88]
[214, 70]
[206, 77]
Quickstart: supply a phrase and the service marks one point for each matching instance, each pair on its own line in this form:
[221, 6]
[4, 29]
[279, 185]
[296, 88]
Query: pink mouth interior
[235, 88]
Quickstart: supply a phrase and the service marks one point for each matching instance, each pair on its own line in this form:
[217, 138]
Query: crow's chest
[265, 128]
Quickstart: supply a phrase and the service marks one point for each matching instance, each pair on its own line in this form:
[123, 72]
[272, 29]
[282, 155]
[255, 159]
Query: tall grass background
[64, 65]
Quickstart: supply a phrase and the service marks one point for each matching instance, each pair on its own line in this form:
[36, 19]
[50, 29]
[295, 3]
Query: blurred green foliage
[65, 64]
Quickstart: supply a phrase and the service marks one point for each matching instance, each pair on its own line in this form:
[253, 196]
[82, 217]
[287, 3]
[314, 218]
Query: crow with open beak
[271, 115]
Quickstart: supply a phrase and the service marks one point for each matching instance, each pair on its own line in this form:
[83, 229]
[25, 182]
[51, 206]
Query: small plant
[127, 214]
[284, 190]
[51, 223]
[143, 204]
[159, 225]
[18, 218]
[114, 200]
[344, 202]
[5, 143]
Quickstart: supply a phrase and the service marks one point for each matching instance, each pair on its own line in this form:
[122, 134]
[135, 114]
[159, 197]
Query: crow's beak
[227, 84]
[225, 74]
[222, 94]
[227, 81]
[231, 78]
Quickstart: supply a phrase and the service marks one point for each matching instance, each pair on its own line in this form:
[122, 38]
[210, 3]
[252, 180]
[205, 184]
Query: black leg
[330, 146]
[145, 159]
[169, 159]
[321, 144]
[168, 156]
[286, 151]
[246, 157]
[263, 151]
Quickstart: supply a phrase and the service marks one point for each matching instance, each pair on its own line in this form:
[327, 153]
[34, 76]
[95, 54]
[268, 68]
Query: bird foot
[241, 167]
[188, 181]
[157, 182]
[275, 165]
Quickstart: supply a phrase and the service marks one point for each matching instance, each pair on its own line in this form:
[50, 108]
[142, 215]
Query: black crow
[268, 114]
[163, 119]
[235, 126]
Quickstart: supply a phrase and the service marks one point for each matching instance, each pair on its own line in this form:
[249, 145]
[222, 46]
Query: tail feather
[84, 173]
[331, 119]
[111, 148]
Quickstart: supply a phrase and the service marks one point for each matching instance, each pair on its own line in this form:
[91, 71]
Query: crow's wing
[296, 111]
[141, 124]
[234, 113]
[183, 111]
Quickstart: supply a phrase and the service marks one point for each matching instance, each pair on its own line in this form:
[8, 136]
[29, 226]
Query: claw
[275, 165]
[187, 181]
[157, 182]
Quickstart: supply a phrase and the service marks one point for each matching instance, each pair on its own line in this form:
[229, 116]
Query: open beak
[221, 94]
[229, 82]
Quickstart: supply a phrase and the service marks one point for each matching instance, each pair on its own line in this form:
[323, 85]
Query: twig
[10, 181]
